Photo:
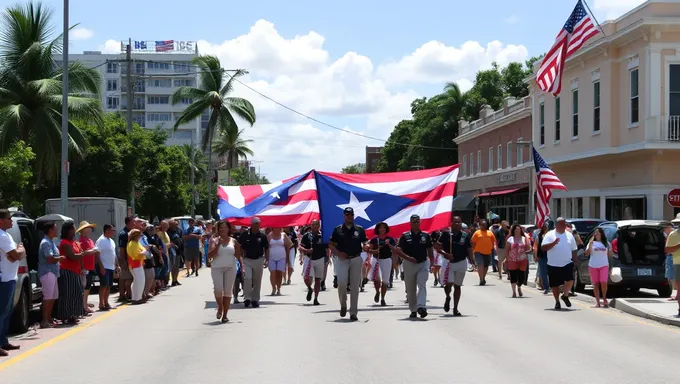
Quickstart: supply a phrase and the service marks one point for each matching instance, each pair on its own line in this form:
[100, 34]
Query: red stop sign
[674, 197]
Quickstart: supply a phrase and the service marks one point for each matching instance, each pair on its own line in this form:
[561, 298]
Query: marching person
[347, 242]
[456, 248]
[256, 248]
[484, 244]
[436, 267]
[600, 252]
[222, 258]
[279, 251]
[316, 251]
[382, 254]
[415, 248]
[517, 246]
[561, 248]
[294, 238]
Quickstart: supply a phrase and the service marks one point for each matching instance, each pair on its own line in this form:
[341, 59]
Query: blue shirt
[193, 243]
[145, 243]
[47, 249]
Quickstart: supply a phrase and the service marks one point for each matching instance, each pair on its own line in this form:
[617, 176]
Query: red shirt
[71, 265]
[88, 261]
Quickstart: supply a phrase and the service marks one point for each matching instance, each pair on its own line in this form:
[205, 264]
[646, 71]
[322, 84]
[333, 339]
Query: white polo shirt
[9, 270]
[560, 254]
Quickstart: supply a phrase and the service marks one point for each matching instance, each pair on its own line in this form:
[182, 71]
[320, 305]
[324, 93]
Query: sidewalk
[660, 310]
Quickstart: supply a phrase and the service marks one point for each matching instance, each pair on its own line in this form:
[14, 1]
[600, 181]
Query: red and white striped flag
[546, 181]
[578, 29]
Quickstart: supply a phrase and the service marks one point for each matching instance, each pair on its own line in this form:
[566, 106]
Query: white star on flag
[358, 206]
[275, 195]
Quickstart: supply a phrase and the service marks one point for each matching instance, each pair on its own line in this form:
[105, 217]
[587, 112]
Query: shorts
[313, 268]
[50, 289]
[482, 259]
[106, 279]
[453, 273]
[380, 270]
[676, 272]
[88, 279]
[438, 260]
[192, 254]
[517, 276]
[599, 275]
[670, 274]
[559, 275]
[277, 265]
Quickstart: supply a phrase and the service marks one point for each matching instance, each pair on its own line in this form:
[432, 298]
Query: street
[176, 339]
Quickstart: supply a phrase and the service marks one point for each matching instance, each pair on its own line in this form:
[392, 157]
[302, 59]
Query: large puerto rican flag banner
[375, 197]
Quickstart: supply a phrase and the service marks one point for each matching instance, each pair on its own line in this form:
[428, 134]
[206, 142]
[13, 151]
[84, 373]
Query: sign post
[674, 198]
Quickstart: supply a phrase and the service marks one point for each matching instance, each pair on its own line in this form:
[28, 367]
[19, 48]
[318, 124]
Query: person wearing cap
[415, 248]
[561, 248]
[315, 251]
[455, 247]
[382, 266]
[256, 248]
[673, 247]
[89, 260]
[347, 242]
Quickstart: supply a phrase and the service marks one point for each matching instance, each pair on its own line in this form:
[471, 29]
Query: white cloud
[349, 91]
[611, 9]
[80, 33]
[512, 19]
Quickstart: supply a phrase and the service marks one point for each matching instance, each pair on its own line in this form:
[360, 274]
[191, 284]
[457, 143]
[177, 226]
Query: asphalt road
[176, 339]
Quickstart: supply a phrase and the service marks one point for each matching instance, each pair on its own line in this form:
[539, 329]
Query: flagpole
[594, 18]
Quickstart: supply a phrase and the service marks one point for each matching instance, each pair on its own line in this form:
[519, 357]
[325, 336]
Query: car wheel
[665, 291]
[20, 316]
[578, 285]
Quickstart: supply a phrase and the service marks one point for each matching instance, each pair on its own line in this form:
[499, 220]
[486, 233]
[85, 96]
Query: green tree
[231, 144]
[513, 80]
[394, 151]
[355, 168]
[242, 176]
[31, 87]
[212, 95]
[15, 173]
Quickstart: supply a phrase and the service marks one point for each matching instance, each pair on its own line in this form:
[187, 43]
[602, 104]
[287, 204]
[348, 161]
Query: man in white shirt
[108, 264]
[10, 255]
[561, 248]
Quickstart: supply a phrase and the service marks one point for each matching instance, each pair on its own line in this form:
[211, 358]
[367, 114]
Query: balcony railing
[511, 106]
[663, 129]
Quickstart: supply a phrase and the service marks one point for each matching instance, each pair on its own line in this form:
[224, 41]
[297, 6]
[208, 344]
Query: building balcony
[511, 107]
[663, 129]
[135, 106]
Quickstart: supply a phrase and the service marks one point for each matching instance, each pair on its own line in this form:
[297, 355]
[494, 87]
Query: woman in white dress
[279, 249]
[222, 261]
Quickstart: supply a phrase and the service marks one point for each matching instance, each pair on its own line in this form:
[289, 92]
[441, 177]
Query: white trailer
[95, 210]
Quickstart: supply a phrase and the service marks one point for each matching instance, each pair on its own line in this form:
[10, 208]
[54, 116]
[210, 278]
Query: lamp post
[64, 114]
[532, 178]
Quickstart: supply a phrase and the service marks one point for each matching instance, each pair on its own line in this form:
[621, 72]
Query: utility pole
[193, 177]
[64, 114]
[130, 97]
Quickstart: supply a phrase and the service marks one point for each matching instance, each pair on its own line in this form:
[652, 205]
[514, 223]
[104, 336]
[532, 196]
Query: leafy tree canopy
[355, 168]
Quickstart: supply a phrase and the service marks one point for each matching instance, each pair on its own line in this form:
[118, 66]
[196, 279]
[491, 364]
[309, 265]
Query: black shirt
[314, 241]
[501, 237]
[457, 244]
[122, 244]
[253, 244]
[415, 245]
[384, 251]
[434, 236]
[349, 240]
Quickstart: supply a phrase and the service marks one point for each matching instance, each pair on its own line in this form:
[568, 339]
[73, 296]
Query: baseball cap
[348, 210]
[414, 217]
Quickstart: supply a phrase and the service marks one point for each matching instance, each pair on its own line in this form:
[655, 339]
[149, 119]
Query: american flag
[578, 29]
[546, 181]
[165, 45]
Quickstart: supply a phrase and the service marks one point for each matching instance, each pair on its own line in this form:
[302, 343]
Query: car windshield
[585, 226]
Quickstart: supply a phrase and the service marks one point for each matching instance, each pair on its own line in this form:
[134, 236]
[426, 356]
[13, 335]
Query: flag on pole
[546, 181]
[578, 29]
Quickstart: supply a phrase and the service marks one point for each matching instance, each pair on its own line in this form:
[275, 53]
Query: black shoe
[401, 276]
[422, 312]
[256, 304]
[361, 289]
[246, 303]
[383, 303]
[447, 304]
[353, 318]
[335, 281]
[557, 305]
[349, 289]
[196, 273]
[390, 286]
[482, 282]
[323, 286]
[566, 301]
[309, 294]
[316, 302]
[376, 298]
[364, 282]
[343, 312]
[436, 282]
[413, 315]
[456, 313]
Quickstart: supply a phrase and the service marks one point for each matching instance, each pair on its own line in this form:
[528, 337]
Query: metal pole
[128, 59]
[64, 114]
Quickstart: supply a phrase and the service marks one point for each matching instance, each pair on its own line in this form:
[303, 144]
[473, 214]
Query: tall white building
[155, 77]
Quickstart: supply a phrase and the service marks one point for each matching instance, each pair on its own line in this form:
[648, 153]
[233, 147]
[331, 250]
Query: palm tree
[31, 87]
[231, 144]
[212, 95]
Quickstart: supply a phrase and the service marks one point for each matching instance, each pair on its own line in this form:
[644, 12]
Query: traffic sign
[674, 198]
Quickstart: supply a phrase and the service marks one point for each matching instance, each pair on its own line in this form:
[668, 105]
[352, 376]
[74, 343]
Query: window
[159, 117]
[479, 161]
[541, 124]
[111, 85]
[182, 66]
[558, 209]
[464, 165]
[520, 154]
[634, 97]
[158, 99]
[184, 83]
[139, 120]
[557, 120]
[157, 65]
[579, 208]
[472, 165]
[186, 100]
[596, 106]
[205, 120]
[112, 102]
[490, 159]
[111, 67]
[626, 209]
[499, 157]
[163, 83]
[574, 110]
[183, 135]
[508, 155]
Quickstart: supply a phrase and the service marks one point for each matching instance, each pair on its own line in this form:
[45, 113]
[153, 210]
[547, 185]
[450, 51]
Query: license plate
[644, 272]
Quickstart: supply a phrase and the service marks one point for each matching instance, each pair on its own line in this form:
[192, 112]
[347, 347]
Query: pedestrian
[222, 257]
[561, 248]
[256, 247]
[381, 249]
[436, 267]
[517, 246]
[347, 242]
[70, 301]
[192, 247]
[48, 272]
[456, 248]
[107, 265]
[175, 251]
[501, 234]
[89, 260]
[484, 244]
[167, 247]
[668, 263]
[148, 240]
[314, 251]
[10, 255]
[279, 251]
[125, 276]
[136, 254]
[673, 247]
[415, 248]
[600, 252]
[541, 258]
[294, 238]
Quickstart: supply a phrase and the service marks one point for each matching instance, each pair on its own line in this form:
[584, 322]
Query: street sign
[674, 198]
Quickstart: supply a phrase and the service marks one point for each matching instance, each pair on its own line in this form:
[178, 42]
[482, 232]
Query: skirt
[70, 301]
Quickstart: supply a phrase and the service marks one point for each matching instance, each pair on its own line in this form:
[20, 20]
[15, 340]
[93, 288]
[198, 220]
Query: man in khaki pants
[347, 242]
[256, 255]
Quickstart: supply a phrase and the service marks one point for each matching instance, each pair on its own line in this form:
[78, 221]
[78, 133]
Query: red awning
[499, 193]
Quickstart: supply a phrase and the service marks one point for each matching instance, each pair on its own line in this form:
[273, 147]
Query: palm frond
[229, 86]
[193, 111]
[242, 107]
[187, 93]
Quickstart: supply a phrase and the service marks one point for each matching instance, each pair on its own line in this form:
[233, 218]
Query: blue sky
[354, 64]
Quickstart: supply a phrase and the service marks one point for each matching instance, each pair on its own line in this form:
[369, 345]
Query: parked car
[584, 226]
[638, 247]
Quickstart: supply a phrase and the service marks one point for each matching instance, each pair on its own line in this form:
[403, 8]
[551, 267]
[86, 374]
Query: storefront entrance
[511, 206]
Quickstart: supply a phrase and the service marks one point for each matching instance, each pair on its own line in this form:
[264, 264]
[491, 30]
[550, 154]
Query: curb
[579, 295]
[624, 306]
